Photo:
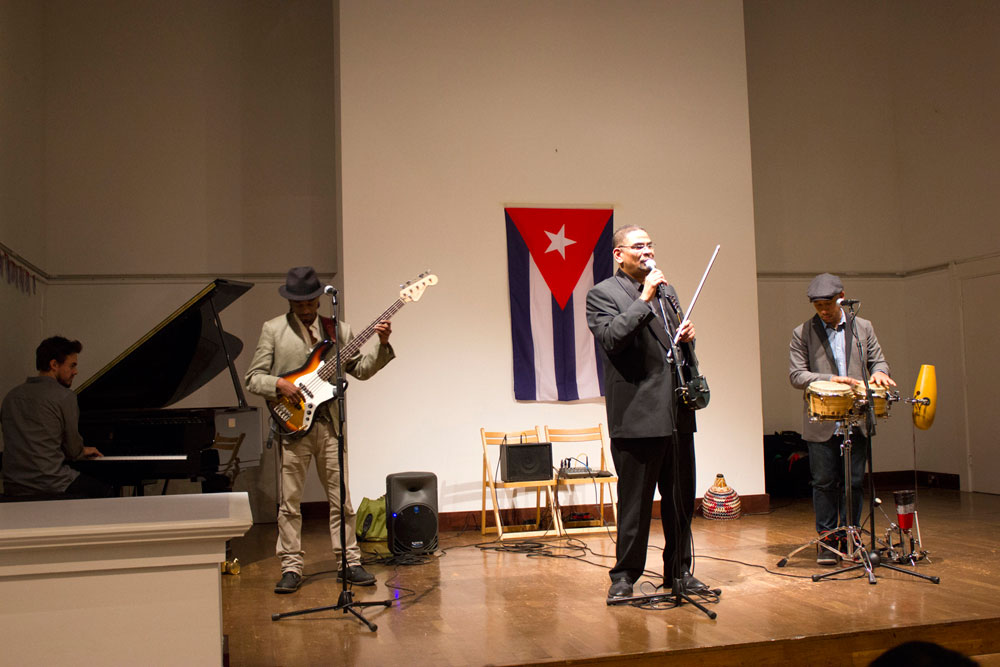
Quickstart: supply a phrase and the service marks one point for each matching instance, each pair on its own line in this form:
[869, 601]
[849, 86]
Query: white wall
[945, 59]
[452, 110]
[21, 185]
[788, 307]
[821, 122]
[873, 141]
[22, 166]
[934, 336]
[204, 126]
[148, 147]
[186, 141]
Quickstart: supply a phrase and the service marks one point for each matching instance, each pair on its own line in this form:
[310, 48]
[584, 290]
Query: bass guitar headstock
[414, 289]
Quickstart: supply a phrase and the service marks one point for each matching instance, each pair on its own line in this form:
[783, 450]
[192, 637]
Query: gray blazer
[811, 359]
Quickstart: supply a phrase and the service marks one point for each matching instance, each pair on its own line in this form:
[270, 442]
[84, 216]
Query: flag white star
[559, 241]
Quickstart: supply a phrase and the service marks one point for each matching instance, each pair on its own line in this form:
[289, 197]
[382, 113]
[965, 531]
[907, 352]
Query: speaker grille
[529, 462]
[415, 530]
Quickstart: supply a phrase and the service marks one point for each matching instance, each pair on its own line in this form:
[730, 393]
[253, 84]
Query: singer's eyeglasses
[638, 247]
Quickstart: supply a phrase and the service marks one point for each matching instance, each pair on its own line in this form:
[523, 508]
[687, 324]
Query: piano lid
[179, 356]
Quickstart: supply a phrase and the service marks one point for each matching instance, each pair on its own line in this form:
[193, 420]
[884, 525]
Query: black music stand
[869, 560]
[678, 595]
[346, 600]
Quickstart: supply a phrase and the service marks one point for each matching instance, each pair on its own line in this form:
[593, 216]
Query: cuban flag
[554, 257]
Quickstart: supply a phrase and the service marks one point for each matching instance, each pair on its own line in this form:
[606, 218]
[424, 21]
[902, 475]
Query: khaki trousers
[296, 455]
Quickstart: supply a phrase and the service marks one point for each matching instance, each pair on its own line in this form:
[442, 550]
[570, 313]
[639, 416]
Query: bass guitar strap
[328, 328]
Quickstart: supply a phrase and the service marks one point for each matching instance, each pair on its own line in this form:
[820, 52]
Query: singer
[633, 316]
[823, 348]
[285, 343]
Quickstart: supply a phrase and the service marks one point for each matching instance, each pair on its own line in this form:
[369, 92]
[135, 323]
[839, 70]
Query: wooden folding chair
[593, 438]
[491, 484]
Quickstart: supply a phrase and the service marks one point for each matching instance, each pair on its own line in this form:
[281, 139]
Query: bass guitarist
[285, 345]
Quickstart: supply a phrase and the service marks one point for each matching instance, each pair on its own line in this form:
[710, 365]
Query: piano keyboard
[164, 457]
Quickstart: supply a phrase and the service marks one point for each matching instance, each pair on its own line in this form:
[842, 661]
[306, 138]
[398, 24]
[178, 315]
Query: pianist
[40, 431]
[284, 346]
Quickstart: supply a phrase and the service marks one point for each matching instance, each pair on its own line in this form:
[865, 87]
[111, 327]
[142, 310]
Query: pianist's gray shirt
[40, 432]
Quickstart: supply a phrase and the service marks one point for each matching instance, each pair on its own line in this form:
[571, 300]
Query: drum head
[827, 388]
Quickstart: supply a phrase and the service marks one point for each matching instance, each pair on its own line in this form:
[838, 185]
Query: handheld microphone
[661, 289]
[650, 265]
[329, 289]
[848, 302]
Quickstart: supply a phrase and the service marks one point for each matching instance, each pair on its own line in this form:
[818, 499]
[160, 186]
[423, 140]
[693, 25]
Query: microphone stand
[869, 560]
[678, 594]
[346, 600]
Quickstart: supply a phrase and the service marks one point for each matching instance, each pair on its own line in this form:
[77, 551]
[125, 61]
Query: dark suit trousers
[644, 464]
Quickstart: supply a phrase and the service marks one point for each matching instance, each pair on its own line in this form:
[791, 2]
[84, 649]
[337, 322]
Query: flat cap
[824, 286]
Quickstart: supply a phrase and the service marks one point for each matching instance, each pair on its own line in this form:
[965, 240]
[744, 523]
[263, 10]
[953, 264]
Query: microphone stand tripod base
[345, 602]
[677, 595]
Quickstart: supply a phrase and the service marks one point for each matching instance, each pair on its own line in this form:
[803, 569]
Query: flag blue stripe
[564, 344]
[603, 268]
[518, 260]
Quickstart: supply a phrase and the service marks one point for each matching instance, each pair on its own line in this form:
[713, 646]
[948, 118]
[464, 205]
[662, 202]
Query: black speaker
[526, 462]
[411, 506]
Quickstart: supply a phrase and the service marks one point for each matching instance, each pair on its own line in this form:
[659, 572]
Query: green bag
[370, 524]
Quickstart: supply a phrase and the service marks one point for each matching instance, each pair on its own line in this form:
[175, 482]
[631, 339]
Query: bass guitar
[317, 378]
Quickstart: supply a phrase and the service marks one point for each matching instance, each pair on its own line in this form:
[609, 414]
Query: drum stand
[853, 532]
[856, 548]
[869, 560]
[856, 551]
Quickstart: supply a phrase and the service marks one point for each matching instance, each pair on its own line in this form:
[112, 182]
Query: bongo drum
[828, 401]
[879, 398]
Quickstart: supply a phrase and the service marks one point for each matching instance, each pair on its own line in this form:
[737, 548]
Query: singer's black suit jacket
[639, 382]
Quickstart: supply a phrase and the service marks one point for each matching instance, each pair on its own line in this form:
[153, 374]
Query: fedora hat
[301, 284]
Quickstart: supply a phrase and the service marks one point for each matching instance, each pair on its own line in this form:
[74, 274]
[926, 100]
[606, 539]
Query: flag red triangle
[561, 242]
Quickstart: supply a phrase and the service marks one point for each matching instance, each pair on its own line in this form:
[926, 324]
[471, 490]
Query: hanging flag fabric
[554, 257]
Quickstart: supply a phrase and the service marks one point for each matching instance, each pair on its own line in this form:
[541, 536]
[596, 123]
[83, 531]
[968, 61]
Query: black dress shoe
[289, 582]
[692, 584]
[357, 576]
[620, 589]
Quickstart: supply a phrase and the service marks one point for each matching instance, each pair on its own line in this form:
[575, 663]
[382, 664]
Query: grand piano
[125, 408]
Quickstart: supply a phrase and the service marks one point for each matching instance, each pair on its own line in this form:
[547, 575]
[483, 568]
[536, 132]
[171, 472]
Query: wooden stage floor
[474, 606]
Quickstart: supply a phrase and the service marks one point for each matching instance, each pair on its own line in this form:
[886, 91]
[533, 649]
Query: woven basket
[720, 501]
